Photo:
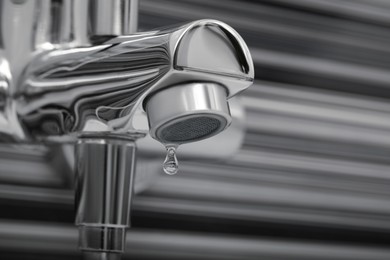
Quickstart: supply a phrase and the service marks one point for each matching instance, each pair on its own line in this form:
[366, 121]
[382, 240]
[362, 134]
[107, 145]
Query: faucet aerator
[188, 112]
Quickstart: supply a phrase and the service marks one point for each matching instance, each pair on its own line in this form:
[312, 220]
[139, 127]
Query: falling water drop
[171, 165]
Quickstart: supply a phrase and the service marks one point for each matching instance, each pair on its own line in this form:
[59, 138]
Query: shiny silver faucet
[74, 71]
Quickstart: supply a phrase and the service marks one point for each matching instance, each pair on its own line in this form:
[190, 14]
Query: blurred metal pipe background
[156, 244]
[311, 180]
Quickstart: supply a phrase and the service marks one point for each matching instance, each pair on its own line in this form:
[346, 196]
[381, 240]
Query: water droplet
[171, 165]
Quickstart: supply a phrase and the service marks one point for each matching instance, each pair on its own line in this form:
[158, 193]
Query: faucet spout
[68, 93]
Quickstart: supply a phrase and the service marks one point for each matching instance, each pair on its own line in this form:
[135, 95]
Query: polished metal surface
[101, 256]
[104, 187]
[309, 180]
[213, 148]
[188, 112]
[58, 91]
[60, 240]
[71, 72]
[114, 17]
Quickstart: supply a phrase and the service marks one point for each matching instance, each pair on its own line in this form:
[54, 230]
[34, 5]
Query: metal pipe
[105, 173]
[115, 17]
[52, 239]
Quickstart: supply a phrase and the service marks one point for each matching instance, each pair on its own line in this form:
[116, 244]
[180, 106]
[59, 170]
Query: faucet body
[74, 71]
[61, 91]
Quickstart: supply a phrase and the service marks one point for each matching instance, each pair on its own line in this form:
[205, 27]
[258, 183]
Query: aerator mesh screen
[190, 129]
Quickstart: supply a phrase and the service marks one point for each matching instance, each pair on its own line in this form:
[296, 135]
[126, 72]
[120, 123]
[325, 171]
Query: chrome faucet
[74, 71]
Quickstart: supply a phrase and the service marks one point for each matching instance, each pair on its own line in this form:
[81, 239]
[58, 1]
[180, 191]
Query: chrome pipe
[114, 17]
[105, 174]
[54, 239]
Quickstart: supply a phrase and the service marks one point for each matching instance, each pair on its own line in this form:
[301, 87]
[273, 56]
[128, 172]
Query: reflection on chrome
[302, 172]
[62, 93]
[70, 72]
